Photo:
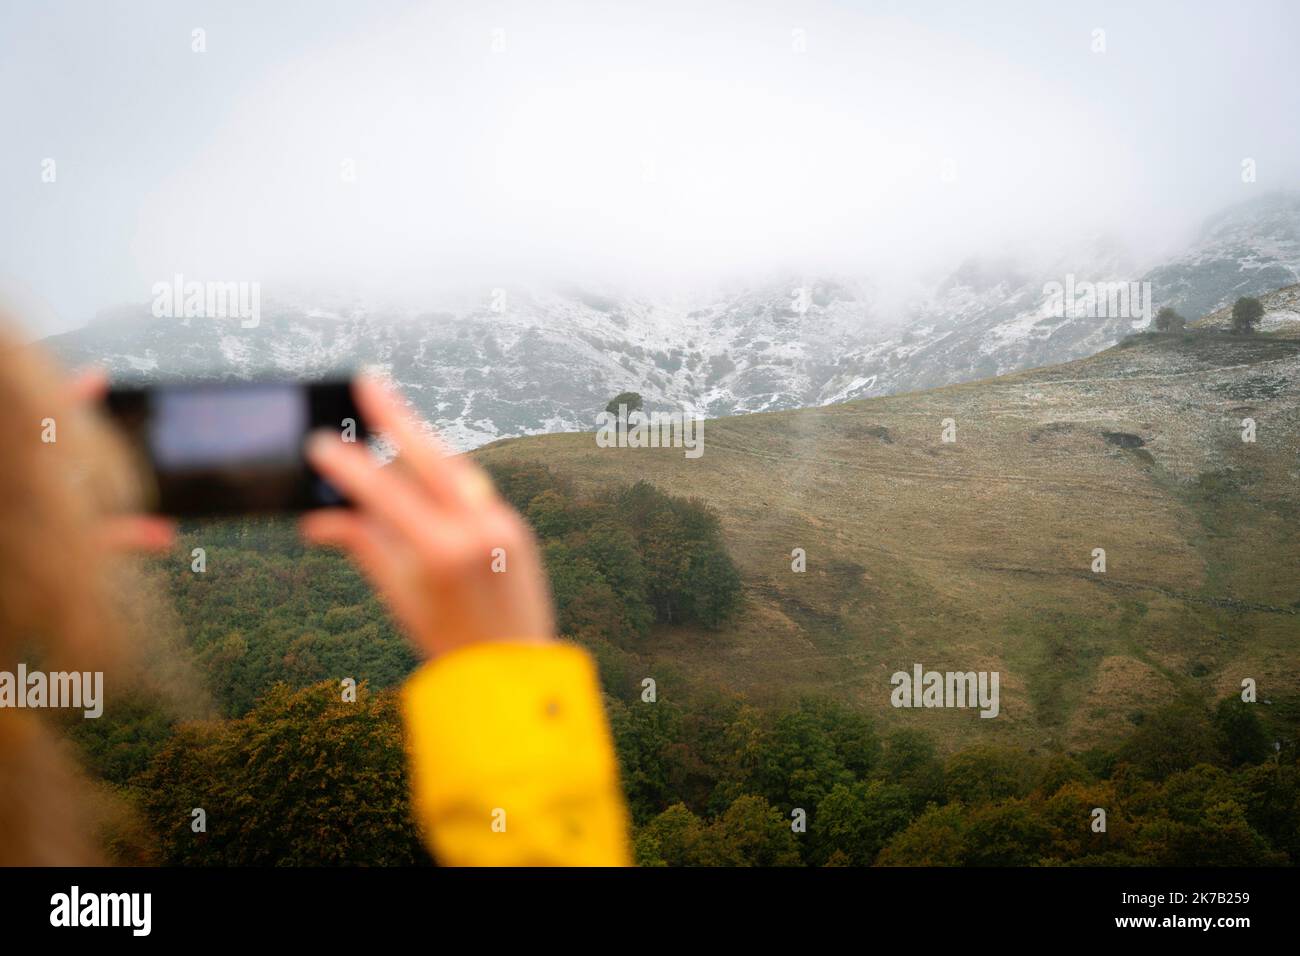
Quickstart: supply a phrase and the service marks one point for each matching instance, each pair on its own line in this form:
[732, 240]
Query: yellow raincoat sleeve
[511, 758]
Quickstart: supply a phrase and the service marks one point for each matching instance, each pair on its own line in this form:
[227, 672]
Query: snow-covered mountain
[1248, 249]
[991, 317]
[548, 359]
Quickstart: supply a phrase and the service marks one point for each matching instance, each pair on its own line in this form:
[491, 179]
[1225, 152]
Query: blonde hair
[61, 474]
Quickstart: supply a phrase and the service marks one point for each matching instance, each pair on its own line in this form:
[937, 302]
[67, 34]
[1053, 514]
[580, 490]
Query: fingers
[384, 411]
[329, 526]
[131, 534]
[352, 470]
[387, 496]
[448, 541]
[87, 385]
[453, 480]
[342, 529]
[138, 534]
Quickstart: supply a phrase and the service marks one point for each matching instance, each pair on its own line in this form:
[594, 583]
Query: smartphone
[226, 449]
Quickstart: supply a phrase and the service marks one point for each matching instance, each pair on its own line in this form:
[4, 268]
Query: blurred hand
[424, 530]
[122, 533]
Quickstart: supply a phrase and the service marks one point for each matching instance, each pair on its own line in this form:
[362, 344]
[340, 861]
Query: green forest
[288, 773]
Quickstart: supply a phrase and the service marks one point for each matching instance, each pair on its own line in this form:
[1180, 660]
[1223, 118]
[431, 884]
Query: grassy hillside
[1281, 314]
[976, 555]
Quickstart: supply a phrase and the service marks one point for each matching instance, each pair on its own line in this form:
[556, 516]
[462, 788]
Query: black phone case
[238, 488]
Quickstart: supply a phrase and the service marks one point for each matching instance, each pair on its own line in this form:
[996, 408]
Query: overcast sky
[403, 146]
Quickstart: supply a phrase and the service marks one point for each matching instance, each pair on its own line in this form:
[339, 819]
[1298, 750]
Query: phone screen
[213, 449]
